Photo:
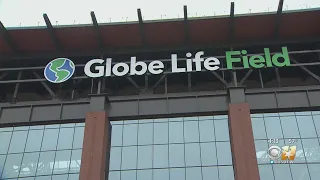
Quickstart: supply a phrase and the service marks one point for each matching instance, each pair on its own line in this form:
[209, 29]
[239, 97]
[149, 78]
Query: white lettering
[156, 67]
[211, 64]
[116, 71]
[100, 69]
[198, 60]
[174, 61]
[134, 64]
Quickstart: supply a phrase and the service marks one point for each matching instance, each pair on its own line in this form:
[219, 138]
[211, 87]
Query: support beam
[133, 82]
[245, 77]
[231, 26]
[160, 80]
[8, 39]
[219, 77]
[3, 75]
[186, 25]
[44, 84]
[52, 32]
[16, 88]
[97, 30]
[316, 77]
[142, 30]
[278, 19]
[278, 77]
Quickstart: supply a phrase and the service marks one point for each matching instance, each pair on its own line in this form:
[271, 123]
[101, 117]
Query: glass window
[74, 177]
[128, 175]
[175, 132]
[226, 173]
[192, 156]
[273, 127]
[115, 158]
[258, 127]
[5, 142]
[206, 131]
[224, 153]
[316, 120]
[161, 133]
[43, 178]
[129, 158]
[314, 171]
[299, 171]
[144, 157]
[282, 171]
[75, 161]
[116, 135]
[210, 173]
[114, 175]
[144, 174]
[12, 166]
[65, 138]
[161, 156]
[193, 173]
[6, 129]
[34, 140]
[176, 155]
[160, 174]
[18, 141]
[50, 139]
[78, 137]
[29, 164]
[266, 172]
[130, 134]
[221, 130]
[289, 127]
[62, 162]
[191, 131]
[145, 134]
[177, 173]
[46, 162]
[311, 150]
[306, 126]
[208, 154]
[60, 177]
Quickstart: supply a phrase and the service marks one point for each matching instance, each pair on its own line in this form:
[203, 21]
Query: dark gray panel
[15, 114]
[292, 99]
[262, 101]
[44, 113]
[212, 103]
[314, 98]
[157, 106]
[182, 105]
[74, 111]
[123, 108]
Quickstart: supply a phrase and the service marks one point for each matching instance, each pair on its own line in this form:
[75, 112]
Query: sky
[22, 13]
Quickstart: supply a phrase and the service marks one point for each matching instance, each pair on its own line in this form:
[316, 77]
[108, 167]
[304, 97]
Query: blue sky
[16, 13]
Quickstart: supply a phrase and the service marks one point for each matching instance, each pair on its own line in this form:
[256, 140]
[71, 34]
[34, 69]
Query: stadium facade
[230, 98]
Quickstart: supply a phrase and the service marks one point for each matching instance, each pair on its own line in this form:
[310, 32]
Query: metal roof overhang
[146, 36]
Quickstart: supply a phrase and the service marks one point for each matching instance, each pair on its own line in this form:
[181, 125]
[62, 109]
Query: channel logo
[59, 70]
[286, 153]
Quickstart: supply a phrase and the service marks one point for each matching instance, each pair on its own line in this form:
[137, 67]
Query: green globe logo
[59, 70]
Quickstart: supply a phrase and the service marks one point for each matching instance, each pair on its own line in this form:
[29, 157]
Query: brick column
[96, 143]
[241, 137]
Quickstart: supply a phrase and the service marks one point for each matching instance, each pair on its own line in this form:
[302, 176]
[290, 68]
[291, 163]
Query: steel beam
[52, 32]
[189, 82]
[245, 77]
[231, 25]
[97, 30]
[7, 37]
[186, 25]
[278, 77]
[16, 88]
[261, 79]
[306, 69]
[219, 77]
[44, 84]
[3, 75]
[142, 30]
[133, 82]
[278, 19]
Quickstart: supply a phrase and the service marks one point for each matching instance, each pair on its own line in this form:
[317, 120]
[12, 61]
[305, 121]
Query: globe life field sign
[60, 72]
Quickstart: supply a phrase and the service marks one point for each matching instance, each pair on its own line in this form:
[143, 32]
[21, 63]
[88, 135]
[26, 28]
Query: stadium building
[232, 97]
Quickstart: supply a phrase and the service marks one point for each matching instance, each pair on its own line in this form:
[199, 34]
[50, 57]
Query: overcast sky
[16, 13]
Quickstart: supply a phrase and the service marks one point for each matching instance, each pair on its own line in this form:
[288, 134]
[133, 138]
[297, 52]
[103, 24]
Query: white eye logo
[274, 152]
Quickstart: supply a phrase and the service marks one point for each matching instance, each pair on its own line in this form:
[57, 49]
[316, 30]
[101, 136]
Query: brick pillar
[241, 137]
[96, 144]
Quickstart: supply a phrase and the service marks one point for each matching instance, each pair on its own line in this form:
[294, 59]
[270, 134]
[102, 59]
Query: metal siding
[262, 100]
[43, 113]
[123, 108]
[314, 98]
[292, 99]
[182, 105]
[13, 115]
[153, 107]
[212, 103]
[74, 111]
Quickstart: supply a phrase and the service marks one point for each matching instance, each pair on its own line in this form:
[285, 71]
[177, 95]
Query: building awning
[94, 39]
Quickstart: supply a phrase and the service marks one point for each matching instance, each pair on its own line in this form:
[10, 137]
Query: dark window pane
[60, 177]
[78, 137]
[116, 137]
[193, 173]
[144, 157]
[265, 172]
[144, 174]
[176, 155]
[306, 127]
[145, 134]
[191, 131]
[128, 175]
[222, 130]
[129, 158]
[299, 172]
[258, 128]
[46, 162]
[314, 170]
[160, 174]
[282, 171]
[12, 166]
[130, 134]
[65, 138]
[224, 153]
[289, 127]
[75, 177]
[273, 127]
[192, 156]
[29, 164]
[114, 175]
[208, 154]
[177, 174]
[176, 132]
[18, 141]
[62, 162]
[161, 133]
[50, 139]
[5, 141]
[210, 173]
[160, 156]
[226, 173]
[115, 158]
[75, 161]
[34, 140]
[206, 131]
